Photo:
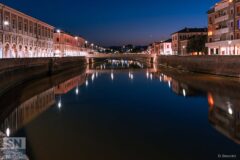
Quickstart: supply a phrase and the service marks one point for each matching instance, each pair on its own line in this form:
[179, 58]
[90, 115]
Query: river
[119, 110]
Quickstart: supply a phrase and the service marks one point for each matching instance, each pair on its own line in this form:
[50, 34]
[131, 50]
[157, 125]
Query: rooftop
[189, 30]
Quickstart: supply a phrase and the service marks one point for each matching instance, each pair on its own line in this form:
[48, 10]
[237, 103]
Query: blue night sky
[117, 22]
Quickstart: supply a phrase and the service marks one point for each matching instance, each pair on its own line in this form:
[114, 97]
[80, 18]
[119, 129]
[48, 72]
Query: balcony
[221, 19]
[221, 6]
[221, 31]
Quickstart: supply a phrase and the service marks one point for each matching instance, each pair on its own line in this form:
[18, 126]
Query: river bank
[217, 65]
[17, 71]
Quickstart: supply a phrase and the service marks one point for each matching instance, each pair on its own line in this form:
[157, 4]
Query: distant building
[23, 36]
[166, 47]
[66, 44]
[224, 28]
[180, 39]
[161, 48]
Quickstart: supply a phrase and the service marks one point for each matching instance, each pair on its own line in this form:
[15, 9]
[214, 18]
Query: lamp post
[59, 45]
[92, 45]
[184, 47]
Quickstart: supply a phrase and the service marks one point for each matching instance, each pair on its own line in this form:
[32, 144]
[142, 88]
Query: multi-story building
[224, 28]
[180, 39]
[166, 47]
[161, 48]
[66, 44]
[23, 36]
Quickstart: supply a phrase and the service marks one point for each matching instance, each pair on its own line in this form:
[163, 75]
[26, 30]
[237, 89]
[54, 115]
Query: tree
[197, 44]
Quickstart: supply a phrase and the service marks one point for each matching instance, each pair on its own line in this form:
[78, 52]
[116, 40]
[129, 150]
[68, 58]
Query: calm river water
[124, 110]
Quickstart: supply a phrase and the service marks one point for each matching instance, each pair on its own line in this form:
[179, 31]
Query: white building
[23, 36]
[166, 47]
[224, 28]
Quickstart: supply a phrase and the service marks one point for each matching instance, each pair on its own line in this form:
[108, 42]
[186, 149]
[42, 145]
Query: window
[35, 28]
[39, 30]
[31, 29]
[25, 27]
[13, 23]
[20, 25]
[238, 10]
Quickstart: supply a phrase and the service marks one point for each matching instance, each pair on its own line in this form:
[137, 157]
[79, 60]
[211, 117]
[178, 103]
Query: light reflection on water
[221, 94]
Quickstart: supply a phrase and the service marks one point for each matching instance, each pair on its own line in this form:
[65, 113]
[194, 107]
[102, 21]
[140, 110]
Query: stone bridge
[149, 58]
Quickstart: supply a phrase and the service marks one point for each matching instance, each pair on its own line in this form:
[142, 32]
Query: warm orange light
[210, 33]
[210, 100]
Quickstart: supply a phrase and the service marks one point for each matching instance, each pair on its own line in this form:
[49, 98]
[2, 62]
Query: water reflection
[34, 106]
[224, 115]
[222, 94]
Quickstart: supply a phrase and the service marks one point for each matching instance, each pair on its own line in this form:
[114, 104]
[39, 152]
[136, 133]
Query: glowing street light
[230, 111]
[147, 74]
[8, 132]
[93, 77]
[151, 76]
[59, 104]
[169, 84]
[131, 77]
[160, 78]
[112, 76]
[77, 91]
[184, 93]
[6, 23]
[58, 31]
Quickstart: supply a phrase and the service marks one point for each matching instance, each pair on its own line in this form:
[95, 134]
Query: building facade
[161, 48]
[180, 39]
[224, 28]
[23, 36]
[166, 47]
[66, 44]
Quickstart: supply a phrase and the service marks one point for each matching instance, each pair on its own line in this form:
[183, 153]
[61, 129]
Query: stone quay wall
[17, 71]
[217, 65]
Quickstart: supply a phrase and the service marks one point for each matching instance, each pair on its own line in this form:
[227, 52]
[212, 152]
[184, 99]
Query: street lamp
[183, 49]
[92, 45]
[58, 31]
[6, 23]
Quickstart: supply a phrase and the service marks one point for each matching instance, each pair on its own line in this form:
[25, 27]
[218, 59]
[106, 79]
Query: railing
[222, 18]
